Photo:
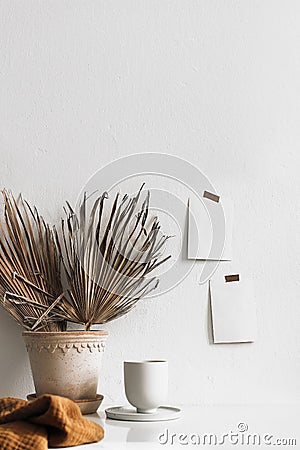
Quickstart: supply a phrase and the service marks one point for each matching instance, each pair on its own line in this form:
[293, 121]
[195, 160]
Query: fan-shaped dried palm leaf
[107, 266]
[30, 282]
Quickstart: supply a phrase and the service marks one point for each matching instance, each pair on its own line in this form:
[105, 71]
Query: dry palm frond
[30, 283]
[107, 265]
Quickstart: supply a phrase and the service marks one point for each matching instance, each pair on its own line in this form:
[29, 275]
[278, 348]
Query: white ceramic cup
[146, 384]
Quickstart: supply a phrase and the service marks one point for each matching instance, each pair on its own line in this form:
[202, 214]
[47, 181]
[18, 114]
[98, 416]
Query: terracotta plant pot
[66, 363]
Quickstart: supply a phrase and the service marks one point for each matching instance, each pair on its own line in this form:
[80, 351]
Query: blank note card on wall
[233, 309]
[210, 228]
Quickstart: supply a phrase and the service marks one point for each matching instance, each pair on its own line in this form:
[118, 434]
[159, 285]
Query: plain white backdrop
[214, 82]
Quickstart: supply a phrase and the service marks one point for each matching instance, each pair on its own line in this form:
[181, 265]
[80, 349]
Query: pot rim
[65, 333]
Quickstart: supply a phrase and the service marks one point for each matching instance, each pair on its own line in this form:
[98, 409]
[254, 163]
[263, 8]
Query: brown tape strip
[229, 278]
[210, 196]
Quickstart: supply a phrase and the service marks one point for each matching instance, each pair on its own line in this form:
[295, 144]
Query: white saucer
[129, 413]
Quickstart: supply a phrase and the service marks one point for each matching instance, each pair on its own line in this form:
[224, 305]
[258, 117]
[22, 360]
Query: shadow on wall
[15, 377]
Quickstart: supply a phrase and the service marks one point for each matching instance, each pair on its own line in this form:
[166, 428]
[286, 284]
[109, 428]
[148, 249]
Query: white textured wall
[216, 82]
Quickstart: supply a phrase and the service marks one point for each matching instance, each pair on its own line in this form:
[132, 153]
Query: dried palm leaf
[30, 275]
[108, 275]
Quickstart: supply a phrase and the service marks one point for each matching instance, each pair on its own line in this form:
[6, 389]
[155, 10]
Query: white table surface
[275, 421]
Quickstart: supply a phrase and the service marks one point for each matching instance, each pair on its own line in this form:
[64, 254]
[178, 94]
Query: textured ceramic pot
[66, 363]
[146, 384]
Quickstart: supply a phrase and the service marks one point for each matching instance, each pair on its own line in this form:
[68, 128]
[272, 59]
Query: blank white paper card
[210, 229]
[233, 310]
